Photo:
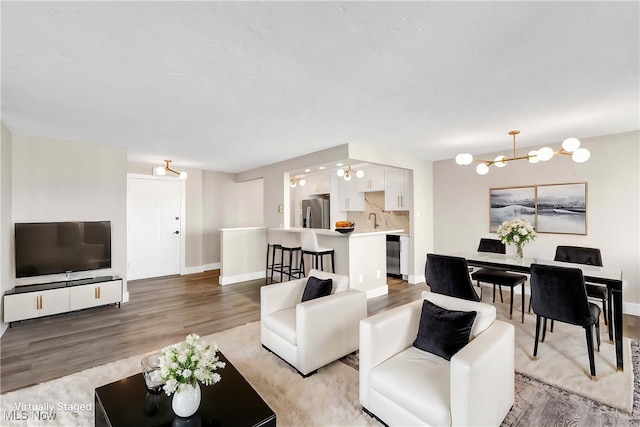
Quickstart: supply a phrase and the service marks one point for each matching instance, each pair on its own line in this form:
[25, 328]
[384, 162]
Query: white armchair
[311, 334]
[403, 385]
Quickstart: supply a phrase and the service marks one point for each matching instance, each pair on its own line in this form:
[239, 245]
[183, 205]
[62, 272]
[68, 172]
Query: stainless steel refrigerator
[315, 213]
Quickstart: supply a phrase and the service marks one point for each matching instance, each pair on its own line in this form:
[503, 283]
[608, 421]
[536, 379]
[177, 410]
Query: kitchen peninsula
[361, 255]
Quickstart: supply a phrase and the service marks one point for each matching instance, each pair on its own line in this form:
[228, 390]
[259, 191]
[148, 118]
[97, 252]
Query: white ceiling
[230, 86]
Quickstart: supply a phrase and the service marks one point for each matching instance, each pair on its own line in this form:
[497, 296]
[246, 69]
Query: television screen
[58, 247]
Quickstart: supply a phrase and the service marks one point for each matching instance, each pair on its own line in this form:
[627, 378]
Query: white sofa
[405, 386]
[311, 334]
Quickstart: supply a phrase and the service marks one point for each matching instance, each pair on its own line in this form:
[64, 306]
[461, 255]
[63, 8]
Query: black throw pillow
[443, 332]
[316, 288]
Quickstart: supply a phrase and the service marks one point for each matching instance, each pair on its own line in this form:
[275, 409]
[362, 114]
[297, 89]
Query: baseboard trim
[414, 279]
[631, 308]
[378, 292]
[213, 266]
[192, 270]
[227, 280]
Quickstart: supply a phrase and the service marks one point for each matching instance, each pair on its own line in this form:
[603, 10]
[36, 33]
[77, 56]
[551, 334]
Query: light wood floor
[161, 311]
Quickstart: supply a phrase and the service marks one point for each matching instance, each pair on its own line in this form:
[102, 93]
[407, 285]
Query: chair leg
[604, 311]
[494, 292]
[544, 329]
[333, 263]
[610, 315]
[510, 304]
[597, 325]
[535, 346]
[522, 303]
[501, 299]
[551, 330]
[592, 361]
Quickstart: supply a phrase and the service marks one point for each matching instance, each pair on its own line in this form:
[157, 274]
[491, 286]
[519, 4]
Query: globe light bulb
[571, 144]
[161, 171]
[302, 182]
[545, 153]
[533, 157]
[340, 172]
[581, 155]
[359, 174]
[499, 162]
[292, 183]
[347, 177]
[464, 159]
[183, 175]
[482, 169]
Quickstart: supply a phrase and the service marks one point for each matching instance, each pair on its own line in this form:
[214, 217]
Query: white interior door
[153, 222]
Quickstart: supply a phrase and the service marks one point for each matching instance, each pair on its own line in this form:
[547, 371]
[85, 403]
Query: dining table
[610, 278]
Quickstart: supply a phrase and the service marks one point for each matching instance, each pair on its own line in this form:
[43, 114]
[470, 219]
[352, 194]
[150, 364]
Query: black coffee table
[231, 402]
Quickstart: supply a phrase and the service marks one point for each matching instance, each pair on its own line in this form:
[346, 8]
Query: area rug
[563, 360]
[328, 398]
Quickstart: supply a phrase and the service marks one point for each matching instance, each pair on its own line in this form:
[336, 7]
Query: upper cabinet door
[373, 180]
[397, 190]
[318, 184]
[350, 198]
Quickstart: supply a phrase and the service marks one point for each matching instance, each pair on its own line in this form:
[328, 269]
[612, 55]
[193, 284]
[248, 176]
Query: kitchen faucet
[375, 219]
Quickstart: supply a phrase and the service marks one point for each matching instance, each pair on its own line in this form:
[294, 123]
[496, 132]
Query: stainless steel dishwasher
[393, 256]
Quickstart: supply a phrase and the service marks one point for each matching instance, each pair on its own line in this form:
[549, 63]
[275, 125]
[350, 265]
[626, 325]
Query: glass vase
[518, 251]
[186, 400]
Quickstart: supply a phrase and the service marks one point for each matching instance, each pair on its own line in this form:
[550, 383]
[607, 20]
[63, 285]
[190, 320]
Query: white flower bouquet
[189, 361]
[517, 231]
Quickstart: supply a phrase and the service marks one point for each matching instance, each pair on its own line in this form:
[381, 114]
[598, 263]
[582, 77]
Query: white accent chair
[404, 386]
[311, 334]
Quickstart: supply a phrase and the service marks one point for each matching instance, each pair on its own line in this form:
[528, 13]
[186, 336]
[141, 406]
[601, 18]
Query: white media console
[31, 301]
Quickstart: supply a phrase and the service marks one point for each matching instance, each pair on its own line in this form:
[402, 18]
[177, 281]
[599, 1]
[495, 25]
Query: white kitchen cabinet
[397, 190]
[373, 180]
[95, 294]
[318, 184]
[350, 198]
[35, 304]
[404, 255]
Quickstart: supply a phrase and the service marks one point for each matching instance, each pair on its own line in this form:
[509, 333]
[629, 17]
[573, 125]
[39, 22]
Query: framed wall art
[512, 202]
[562, 208]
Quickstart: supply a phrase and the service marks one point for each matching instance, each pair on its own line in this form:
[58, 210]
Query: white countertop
[328, 232]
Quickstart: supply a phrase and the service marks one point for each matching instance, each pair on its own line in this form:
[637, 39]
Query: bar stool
[310, 247]
[289, 269]
[273, 247]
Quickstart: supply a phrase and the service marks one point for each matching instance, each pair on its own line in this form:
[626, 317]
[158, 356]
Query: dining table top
[496, 260]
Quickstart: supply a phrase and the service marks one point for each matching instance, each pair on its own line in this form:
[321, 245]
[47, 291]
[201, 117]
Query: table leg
[617, 326]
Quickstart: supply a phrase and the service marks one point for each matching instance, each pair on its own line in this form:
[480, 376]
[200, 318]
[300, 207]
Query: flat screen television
[61, 247]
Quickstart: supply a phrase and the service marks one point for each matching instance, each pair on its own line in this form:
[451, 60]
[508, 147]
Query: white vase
[186, 400]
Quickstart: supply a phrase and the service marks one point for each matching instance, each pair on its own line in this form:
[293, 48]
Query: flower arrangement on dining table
[189, 361]
[517, 231]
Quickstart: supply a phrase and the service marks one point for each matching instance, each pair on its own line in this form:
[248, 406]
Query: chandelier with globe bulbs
[570, 147]
[347, 173]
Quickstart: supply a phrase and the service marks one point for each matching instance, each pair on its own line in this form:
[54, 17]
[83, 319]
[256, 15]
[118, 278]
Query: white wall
[58, 180]
[461, 200]
[6, 225]
[228, 204]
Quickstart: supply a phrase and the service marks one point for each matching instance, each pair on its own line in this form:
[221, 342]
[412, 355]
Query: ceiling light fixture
[348, 172]
[570, 147]
[162, 170]
[293, 182]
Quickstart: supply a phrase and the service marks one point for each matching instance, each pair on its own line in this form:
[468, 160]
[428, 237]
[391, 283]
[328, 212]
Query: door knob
[176, 232]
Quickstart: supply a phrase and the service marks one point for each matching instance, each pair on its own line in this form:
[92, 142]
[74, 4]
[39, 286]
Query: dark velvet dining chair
[449, 275]
[559, 294]
[588, 256]
[498, 277]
